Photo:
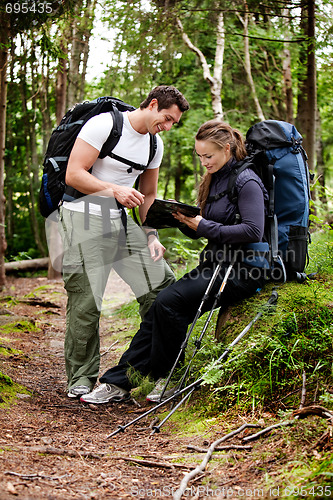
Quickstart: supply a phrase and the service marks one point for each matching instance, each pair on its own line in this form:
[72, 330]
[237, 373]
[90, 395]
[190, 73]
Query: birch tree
[214, 79]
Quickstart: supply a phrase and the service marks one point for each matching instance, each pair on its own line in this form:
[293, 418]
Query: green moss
[190, 421]
[5, 380]
[18, 326]
[9, 390]
[9, 351]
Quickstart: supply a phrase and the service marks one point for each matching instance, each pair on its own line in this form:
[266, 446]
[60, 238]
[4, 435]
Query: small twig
[35, 476]
[109, 348]
[268, 429]
[220, 448]
[303, 391]
[154, 422]
[200, 468]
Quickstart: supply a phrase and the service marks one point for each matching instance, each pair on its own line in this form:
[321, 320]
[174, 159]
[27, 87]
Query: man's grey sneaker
[155, 395]
[105, 393]
[77, 391]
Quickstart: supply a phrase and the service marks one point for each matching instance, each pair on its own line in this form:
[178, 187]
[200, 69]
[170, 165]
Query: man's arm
[82, 157]
[148, 187]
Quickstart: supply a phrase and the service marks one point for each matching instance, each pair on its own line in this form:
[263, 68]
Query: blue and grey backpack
[276, 154]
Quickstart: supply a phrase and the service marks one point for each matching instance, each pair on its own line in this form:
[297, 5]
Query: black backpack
[53, 186]
[276, 154]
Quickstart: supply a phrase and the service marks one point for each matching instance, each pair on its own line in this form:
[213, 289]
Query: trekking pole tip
[155, 430]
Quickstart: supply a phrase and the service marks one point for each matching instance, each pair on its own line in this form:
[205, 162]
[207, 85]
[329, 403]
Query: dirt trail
[52, 447]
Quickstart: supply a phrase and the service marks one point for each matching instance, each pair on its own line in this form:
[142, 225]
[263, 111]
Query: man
[97, 233]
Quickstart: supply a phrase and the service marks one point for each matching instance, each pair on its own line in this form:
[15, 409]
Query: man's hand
[155, 247]
[191, 222]
[128, 197]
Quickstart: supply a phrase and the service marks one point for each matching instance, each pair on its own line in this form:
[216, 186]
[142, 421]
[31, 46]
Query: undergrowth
[289, 343]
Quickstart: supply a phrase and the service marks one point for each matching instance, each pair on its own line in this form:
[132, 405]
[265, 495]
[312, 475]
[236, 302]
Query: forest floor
[53, 447]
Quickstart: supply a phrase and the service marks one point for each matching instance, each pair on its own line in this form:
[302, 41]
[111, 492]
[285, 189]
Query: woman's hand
[191, 222]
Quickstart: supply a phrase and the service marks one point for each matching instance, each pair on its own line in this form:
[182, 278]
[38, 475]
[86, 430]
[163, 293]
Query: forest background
[242, 60]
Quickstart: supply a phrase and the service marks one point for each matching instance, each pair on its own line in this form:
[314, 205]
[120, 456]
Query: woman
[156, 345]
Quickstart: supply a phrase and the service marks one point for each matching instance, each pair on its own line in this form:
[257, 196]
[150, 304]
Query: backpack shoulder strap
[115, 134]
[238, 169]
[153, 147]
[113, 139]
[231, 189]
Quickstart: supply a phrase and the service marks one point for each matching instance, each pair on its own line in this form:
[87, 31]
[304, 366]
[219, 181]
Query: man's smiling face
[163, 119]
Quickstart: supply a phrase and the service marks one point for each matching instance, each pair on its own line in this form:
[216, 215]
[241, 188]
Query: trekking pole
[198, 341]
[271, 301]
[121, 428]
[198, 314]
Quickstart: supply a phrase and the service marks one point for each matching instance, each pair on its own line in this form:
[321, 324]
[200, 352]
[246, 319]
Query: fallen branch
[27, 265]
[220, 448]
[320, 411]
[35, 301]
[268, 429]
[149, 463]
[50, 450]
[203, 465]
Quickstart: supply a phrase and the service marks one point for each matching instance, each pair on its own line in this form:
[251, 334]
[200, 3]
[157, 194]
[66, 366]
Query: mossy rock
[10, 391]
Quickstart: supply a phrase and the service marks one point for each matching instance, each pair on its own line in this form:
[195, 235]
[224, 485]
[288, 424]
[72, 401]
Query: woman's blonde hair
[220, 134]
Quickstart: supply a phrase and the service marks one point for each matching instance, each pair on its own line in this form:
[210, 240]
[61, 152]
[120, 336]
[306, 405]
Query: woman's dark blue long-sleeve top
[219, 217]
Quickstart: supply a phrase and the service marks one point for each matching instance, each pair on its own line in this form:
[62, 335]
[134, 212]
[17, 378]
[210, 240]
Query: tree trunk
[74, 62]
[286, 71]
[81, 32]
[4, 41]
[33, 168]
[307, 98]
[30, 143]
[321, 167]
[61, 84]
[247, 62]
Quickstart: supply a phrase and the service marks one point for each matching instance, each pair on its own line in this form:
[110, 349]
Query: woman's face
[211, 156]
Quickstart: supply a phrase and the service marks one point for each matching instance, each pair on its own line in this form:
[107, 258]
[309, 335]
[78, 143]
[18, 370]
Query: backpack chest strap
[217, 196]
[131, 164]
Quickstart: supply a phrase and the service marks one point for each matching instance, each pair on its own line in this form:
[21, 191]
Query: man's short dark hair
[166, 96]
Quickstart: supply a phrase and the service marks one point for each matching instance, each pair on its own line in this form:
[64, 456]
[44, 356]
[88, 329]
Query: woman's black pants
[156, 345]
